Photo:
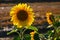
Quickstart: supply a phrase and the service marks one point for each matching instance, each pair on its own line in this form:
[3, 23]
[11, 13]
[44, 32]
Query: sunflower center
[22, 15]
[51, 18]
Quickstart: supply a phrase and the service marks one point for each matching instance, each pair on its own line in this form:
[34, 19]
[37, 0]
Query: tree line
[17, 1]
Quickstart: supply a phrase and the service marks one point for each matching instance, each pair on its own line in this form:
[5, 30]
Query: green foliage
[33, 28]
[56, 24]
[50, 35]
[16, 37]
[58, 30]
[57, 16]
[12, 31]
[36, 37]
[27, 37]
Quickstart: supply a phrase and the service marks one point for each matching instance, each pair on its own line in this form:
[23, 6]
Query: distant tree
[17, 1]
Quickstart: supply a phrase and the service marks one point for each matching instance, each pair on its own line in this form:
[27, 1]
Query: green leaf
[55, 38]
[27, 37]
[57, 16]
[41, 35]
[12, 31]
[50, 33]
[33, 28]
[17, 38]
[36, 37]
[58, 30]
[57, 24]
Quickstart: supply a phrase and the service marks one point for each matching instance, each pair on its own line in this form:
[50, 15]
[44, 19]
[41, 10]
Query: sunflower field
[29, 20]
[22, 17]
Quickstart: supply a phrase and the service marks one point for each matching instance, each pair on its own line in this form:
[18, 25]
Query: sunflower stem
[19, 34]
[22, 33]
[54, 33]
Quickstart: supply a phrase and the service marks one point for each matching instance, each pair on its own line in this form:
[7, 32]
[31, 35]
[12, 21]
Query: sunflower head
[22, 15]
[50, 17]
[32, 35]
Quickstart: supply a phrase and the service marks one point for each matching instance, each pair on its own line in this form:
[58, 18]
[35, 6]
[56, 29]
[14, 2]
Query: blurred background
[40, 7]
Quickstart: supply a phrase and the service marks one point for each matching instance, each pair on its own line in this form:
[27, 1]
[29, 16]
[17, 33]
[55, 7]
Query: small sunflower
[22, 15]
[32, 35]
[49, 17]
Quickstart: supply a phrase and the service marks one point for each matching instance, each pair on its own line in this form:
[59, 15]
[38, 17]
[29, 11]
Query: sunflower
[22, 15]
[32, 35]
[49, 17]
